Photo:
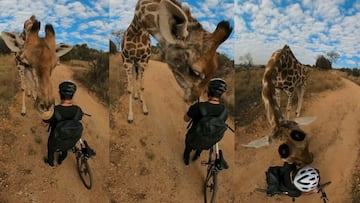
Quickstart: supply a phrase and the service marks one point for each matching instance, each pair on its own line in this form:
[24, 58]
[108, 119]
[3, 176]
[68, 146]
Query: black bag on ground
[208, 131]
[68, 132]
[273, 180]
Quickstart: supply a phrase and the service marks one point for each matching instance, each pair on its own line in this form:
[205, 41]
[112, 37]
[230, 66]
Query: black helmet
[67, 89]
[216, 87]
[284, 151]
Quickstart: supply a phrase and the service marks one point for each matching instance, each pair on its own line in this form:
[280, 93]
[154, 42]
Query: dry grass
[117, 79]
[354, 79]
[230, 94]
[96, 76]
[248, 95]
[79, 63]
[9, 84]
[320, 81]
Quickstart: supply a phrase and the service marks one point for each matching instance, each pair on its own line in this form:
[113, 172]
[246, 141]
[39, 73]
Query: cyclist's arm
[186, 118]
[311, 192]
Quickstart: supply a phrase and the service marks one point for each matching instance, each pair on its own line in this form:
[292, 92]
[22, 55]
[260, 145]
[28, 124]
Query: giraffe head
[190, 50]
[41, 56]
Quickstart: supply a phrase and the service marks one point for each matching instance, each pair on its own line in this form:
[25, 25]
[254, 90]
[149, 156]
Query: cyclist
[213, 106]
[291, 180]
[66, 110]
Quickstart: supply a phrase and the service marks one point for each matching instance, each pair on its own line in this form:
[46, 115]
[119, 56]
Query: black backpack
[68, 132]
[208, 131]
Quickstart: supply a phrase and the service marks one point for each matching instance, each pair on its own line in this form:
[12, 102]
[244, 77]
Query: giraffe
[20, 64]
[190, 51]
[135, 52]
[38, 56]
[283, 72]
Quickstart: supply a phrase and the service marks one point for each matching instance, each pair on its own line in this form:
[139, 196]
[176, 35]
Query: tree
[3, 48]
[246, 61]
[323, 63]
[117, 35]
[112, 47]
[333, 56]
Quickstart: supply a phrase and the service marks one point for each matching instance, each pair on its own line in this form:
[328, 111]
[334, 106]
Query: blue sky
[309, 27]
[207, 12]
[92, 22]
[75, 22]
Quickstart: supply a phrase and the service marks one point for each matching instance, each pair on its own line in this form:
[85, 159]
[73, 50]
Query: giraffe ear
[172, 21]
[62, 49]
[13, 41]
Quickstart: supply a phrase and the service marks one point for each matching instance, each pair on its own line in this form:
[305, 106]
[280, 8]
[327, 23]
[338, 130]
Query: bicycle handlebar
[86, 114]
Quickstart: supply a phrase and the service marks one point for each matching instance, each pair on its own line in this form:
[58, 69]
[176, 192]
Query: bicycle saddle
[220, 162]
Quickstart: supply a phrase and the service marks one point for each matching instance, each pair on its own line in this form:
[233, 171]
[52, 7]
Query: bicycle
[320, 190]
[215, 164]
[82, 154]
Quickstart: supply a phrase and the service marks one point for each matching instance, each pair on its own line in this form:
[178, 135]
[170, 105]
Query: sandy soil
[334, 142]
[146, 156]
[24, 177]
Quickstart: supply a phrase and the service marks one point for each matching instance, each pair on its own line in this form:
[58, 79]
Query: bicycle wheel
[210, 186]
[84, 172]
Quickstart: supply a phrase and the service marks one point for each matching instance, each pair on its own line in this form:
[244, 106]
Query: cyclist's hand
[44, 123]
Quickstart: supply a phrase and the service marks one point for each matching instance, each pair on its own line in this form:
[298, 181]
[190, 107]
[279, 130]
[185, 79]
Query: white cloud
[314, 27]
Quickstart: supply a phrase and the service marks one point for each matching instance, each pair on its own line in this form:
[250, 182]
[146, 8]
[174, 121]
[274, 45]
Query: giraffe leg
[136, 82]
[130, 113]
[141, 89]
[23, 87]
[32, 82]
[130, 88]
[289, 105]
[278, 97]
[23, 107]
[129, 76]
[300, 94]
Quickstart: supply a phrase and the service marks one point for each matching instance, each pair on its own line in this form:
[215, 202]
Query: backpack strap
[78, 114]
[202, 109]
[203, 112]
[223, 114]
[58, 116]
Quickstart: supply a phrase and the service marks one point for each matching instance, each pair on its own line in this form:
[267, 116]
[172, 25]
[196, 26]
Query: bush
[96, 79]
[323, 63]
[112, 47]
[3, 48]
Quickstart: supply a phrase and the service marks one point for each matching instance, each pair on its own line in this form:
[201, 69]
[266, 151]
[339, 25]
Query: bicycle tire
[84, 171]
[210, 186]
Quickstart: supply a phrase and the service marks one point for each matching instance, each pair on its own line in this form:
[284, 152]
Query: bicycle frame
[215, 164]
[82, 165]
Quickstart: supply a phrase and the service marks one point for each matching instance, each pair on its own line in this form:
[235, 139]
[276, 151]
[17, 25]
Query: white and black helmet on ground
[216, 87]
[307, 179]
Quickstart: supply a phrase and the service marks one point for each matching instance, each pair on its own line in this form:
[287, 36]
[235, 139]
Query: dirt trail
[334, 141]
[149, 151]
[29, 179]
